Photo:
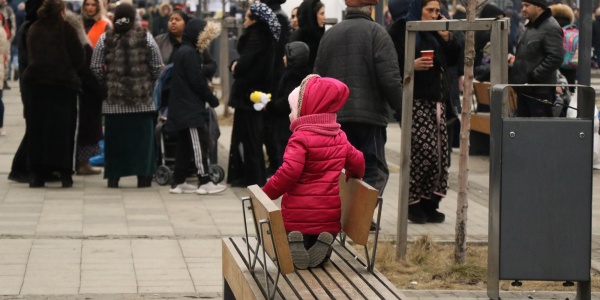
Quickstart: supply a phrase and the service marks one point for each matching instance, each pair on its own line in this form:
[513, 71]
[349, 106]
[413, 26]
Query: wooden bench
[480, 121]
[261, 267]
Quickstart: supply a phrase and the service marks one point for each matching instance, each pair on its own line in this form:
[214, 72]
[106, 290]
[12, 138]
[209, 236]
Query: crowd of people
[89, 75]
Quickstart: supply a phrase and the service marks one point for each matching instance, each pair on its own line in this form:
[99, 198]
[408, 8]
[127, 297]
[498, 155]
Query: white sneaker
[184, 188]
[210, 188]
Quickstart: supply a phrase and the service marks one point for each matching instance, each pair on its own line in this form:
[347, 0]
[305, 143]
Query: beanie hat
[124, 18]
[297, 54]
[541, 3]
[293, 101]
[359, 3]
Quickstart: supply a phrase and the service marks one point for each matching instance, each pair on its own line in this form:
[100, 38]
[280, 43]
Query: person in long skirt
[129, 61]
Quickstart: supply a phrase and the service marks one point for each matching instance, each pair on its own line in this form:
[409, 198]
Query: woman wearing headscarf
[481, 65]
[252, 71]
[94, 20]
[54, 55]
[429, 143]
[128, 60]
[19, 171]
[89, 132]
[311, 22]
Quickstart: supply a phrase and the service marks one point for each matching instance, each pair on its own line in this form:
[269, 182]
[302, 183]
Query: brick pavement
[90, 242]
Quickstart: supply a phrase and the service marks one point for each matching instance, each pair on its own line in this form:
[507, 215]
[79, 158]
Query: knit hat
[321, 95]
[267, 16]
[293, 101]
[541, 3]
[124, 18]
[297, 54]
[359, 3]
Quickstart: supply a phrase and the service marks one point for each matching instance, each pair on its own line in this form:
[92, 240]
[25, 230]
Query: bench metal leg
[371, 259]
[244, 199]
[227, 292]
[270, 295]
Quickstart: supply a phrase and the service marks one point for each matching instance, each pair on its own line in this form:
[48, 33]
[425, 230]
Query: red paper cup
[427, 53]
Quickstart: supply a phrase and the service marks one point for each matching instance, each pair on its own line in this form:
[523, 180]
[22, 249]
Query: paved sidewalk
[90, 242]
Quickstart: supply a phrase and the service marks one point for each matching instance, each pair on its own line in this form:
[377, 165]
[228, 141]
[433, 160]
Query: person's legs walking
[200, 141]
[183, 154]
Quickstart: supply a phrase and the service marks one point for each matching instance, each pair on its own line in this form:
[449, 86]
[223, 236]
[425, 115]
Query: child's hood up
[321, 95]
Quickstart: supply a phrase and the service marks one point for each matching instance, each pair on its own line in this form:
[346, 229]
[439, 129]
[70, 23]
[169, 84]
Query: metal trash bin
[540, 213]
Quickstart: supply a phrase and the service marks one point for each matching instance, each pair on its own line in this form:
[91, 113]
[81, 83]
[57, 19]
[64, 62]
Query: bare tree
[462, 205]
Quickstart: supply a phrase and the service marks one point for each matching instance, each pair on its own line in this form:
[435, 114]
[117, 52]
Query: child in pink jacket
[315, 155]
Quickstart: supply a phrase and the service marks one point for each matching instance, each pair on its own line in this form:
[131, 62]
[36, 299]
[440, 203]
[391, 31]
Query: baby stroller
[167, 144]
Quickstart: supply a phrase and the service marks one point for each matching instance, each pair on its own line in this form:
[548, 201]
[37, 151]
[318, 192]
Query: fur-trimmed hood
[162, 5]
[210, 32]
[101, 11]
[75, 20]
[563, 14]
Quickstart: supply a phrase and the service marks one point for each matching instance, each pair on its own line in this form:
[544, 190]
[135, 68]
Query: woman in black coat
[429, 143]
[251, 72]
[55, 54]
[311, 19]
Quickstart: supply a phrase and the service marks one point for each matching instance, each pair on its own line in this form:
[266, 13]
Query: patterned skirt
[429, 158]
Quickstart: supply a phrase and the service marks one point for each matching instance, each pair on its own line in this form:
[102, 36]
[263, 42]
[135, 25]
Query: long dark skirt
[129, 145]
[429, 156]
[246, 157]
[51, 121]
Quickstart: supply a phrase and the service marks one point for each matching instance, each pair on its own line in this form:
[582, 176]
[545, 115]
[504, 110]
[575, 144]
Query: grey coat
[361, 54]
[539, 54]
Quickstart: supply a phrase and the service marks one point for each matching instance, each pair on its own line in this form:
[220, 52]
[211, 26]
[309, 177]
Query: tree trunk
[462, 205]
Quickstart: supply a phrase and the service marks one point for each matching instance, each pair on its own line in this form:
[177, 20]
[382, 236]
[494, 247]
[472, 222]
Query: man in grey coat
[360, 53]
[538, 56]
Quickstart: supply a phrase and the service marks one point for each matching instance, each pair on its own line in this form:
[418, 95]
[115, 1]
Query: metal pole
[584, 67]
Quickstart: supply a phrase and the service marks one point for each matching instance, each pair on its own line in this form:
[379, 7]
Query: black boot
[36, 180]
[66, 179]
[430, 207]
[144, 181]
[416, 213]
[113, 183]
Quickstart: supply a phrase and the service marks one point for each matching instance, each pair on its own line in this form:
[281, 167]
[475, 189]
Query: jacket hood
[50, 9]
[163, 5]
[31, 8]
[321, 95]
[101, 11]
[490, 11]
[75, 21]
[297, 54]
[563, 14]
[210, 32]
[398, 8]
[192, 31]
[307, 16]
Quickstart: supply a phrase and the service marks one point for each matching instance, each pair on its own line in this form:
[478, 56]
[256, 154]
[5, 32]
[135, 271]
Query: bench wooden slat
[481, 122]
[237, 274]
[286, 284]
[358, 205]
[264, 208]
[359, 287]
[329, 284]
[375, 279]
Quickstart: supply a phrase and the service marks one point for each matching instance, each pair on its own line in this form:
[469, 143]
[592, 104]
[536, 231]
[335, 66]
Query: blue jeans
[370, 140]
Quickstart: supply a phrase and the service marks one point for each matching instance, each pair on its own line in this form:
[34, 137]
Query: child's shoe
[184, 188]
[210, 188]
[318, 252]
[299, 253]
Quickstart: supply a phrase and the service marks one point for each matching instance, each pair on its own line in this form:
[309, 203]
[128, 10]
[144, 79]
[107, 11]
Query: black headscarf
[124, 18]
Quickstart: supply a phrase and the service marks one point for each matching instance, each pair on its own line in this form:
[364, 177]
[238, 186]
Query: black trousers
[246, 157]
[192, 143]
[370, 140]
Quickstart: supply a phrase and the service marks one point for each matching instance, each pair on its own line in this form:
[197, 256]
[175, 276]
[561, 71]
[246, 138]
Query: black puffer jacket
[361, 54]
[254, 68]
[189, 87]
[539, 54]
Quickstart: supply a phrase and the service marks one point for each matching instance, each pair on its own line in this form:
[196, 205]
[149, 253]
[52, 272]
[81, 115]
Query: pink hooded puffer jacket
[315, 155]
